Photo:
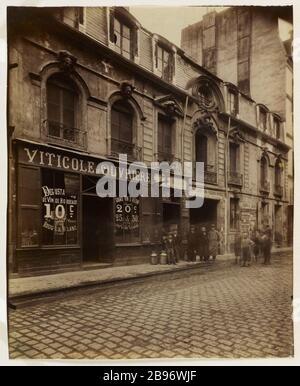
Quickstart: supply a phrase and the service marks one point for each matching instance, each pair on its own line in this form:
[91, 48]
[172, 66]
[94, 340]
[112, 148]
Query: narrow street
[231, 312]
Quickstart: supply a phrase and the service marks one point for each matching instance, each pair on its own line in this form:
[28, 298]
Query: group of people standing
[203, 243]
[200, 244]
[252, 246]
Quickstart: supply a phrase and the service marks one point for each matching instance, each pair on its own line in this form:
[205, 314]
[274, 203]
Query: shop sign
[126, 213]
[59, 210]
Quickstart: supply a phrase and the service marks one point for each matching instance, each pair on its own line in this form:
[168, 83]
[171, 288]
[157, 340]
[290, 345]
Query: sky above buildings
[169, 21]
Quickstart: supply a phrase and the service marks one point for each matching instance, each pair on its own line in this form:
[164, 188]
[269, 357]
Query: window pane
[166, 58]
[126, 32]
[127, 220]
[29, 227]
[126, 128]
[117, 26]
[159, 53]
[233, 157]
[118, 41]
[59, 207]
[53, 112]
[201, 148]
[68, 118]
[68, 99]
[126, 45]
[122, 122]
[29, 186]
[53, 93]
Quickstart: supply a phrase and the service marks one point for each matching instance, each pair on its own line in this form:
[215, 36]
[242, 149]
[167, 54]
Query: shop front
[61, 223]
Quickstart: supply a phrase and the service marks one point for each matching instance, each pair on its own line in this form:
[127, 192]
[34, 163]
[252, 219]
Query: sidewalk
[20, 287]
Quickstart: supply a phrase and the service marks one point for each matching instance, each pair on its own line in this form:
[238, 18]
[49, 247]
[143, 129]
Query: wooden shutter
[112, 26]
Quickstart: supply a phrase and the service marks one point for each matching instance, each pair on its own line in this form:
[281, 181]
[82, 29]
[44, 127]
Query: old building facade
[88, 84]
[248, 47]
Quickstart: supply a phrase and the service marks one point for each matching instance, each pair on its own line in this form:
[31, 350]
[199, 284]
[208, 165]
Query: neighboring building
[243, 46]
[86, 84]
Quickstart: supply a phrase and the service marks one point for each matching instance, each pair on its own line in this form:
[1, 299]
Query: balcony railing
[63, 134]
[278, 190]
[235, 178]
[165, 156]
[265, 187]
[210, 175]
[133, 152]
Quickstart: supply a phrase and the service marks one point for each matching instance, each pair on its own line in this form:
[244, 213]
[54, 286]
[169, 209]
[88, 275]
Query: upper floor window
[201, 148]
[122, 120]
[62, 97]
[232, 102]
[264, 182]
[165, 140]
[277, 127]
[205, 95]
[123, 32]
[234, 150]
[122, 38]
[164, 63]
[278, 172]
[263, 118]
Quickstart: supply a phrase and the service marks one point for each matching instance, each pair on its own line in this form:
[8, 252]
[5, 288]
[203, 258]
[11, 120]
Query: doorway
[206, 215]
[171, 215]
[97, 229]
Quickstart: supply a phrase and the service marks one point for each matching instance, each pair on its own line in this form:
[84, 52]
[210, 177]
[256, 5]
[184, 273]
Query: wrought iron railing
[278, 190]
[64, 134]
[235, 178]
[165, 156]
[265, 186]
[210, 174]
[133, 152]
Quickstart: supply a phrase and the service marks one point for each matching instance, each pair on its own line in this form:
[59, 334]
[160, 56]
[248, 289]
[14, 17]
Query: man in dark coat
[203, 244]
[213, 242]
[192, 244]
[267, 245]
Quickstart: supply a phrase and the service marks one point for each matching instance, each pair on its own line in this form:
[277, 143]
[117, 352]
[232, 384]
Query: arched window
[201, 148]
[206, 95]
[122, 121]
[62, 98]
[205, 151]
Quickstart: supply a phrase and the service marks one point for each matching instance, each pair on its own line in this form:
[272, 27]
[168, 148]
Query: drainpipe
[182, 135]
[183, 128]
[226, 184]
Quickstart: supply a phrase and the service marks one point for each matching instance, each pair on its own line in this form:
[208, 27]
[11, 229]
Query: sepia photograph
[150, 182]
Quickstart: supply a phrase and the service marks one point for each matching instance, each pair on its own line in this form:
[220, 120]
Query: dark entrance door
[206, 215]
[97, 232]
[171, 215]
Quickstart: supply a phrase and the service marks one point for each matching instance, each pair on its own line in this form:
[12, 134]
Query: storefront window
[29, 208]
[151, 230]
[59, 208]
[127, 220]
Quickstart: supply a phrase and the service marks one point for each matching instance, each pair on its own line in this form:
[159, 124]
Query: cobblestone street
[228, 312]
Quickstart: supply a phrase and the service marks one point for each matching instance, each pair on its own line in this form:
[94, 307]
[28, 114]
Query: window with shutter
[122, 127]
[201, 148]
[61, 107]
[234, 157]
[164, 63]
[165, 138]
[123, 36]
